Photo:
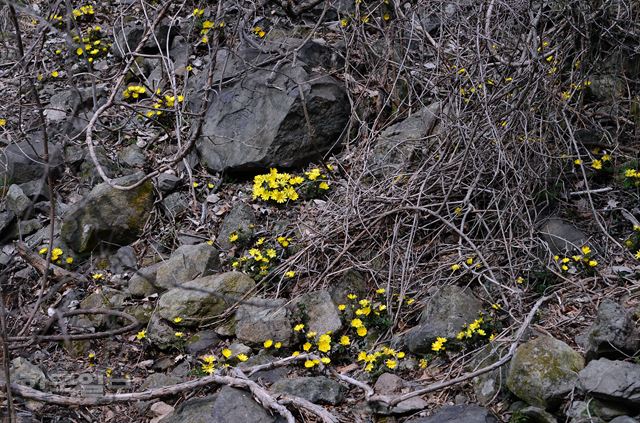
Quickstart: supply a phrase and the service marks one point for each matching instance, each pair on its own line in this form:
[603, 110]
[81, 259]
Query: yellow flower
[242, 357]
[141, 335]
[369, 367]
[196, 185]
[277, 345]
[455, 267]
[380, 291]
[313, 174]
[519, 279]
[383, 307]
[606, 158]
[79, 51]
[481, 332]
[268, 343]
[400, 354]
[43, 250]
[411, 301]
[306, 346]
[344, 22]
[423, 363]
[492, 337]
[324, 343]
[55, 74]
[596, 164]
[290, 274]
[342, 307]
[295, 353]
[362, 331]
[179, 334]
[638, 255]
[97, 276]
[392, 364]
[92, 356]
[344, 340]
[309, 363]
[325, 360]
[226, 353]
[233, 237]
[323, 186]
[362, 356]
[298, 327]
[3, 122]
[469, 261]
[438, 344]
[586, 250]
[352, 296]
[577, 161]
[593, 263]
[356, 323]
[283, 241]
[311, 334]
[69, 260]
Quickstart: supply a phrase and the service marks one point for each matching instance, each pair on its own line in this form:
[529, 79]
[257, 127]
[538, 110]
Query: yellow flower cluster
[261, 257]
[322, 345]
[633, 176]
[569, 263]
[438, 344]
[56, 255]
[473, 328]
[276, 186]
[134, 91]
[384, 356]
[164, 102]
[85, 11]
[94, 45]
[207, 26]
[258, 31]
[198, 12]
[208, 365]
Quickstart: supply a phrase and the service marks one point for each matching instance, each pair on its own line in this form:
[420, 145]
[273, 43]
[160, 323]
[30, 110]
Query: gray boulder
[186, 263]
[143, 282]
[616, 381]
[322, 314]
[458, 414]
[268, 119]
[202, 341]
[623, 419]
[562, 237]
[262, 319]
[318, 389]
[23, 372]
[160, 333]
[535, 415]
[229, 405]
[23, 161]
[204, 298]
[403, 144]
[613, 333]
[241, 220]
[543, 371]
[17, 201]
[108, 214]
[445, 314]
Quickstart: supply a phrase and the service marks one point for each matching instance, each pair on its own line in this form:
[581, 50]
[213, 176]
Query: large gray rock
[262, 319]
[17, 201]
[445, 314]
[186, 263]
[229, 405]
[562, 237]
[69, 111]
[613, 333]
[108, 215]
[403, 144]
[624, 419]
[318, 389]
[23, 372]
[543, 370]
[321, 312]
[458, 414]
[261, 121]
[204, 298]
[241, 220]
[23, 162]
[617, 381]
[160, 333]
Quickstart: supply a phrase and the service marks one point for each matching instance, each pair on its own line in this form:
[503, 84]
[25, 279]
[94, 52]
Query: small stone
[186, 263]
[446, 312]
[318, 389]
[613, 333]
[17, 201]
[143, 283]
[458, 414]
[23, 372]
[201, 341]
[390, 384]
[261, 319]
[204, 298]
[167, 182]
[321, 312]
[241, 220]
[562, 237]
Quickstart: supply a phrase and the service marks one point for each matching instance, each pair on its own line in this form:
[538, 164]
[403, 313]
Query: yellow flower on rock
[226, 352]
[233, 237]
[438, 344]
[177, 319]
[298, 327]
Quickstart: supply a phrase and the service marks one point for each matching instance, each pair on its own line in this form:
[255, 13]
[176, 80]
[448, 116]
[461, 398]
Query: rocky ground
[320, 211]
